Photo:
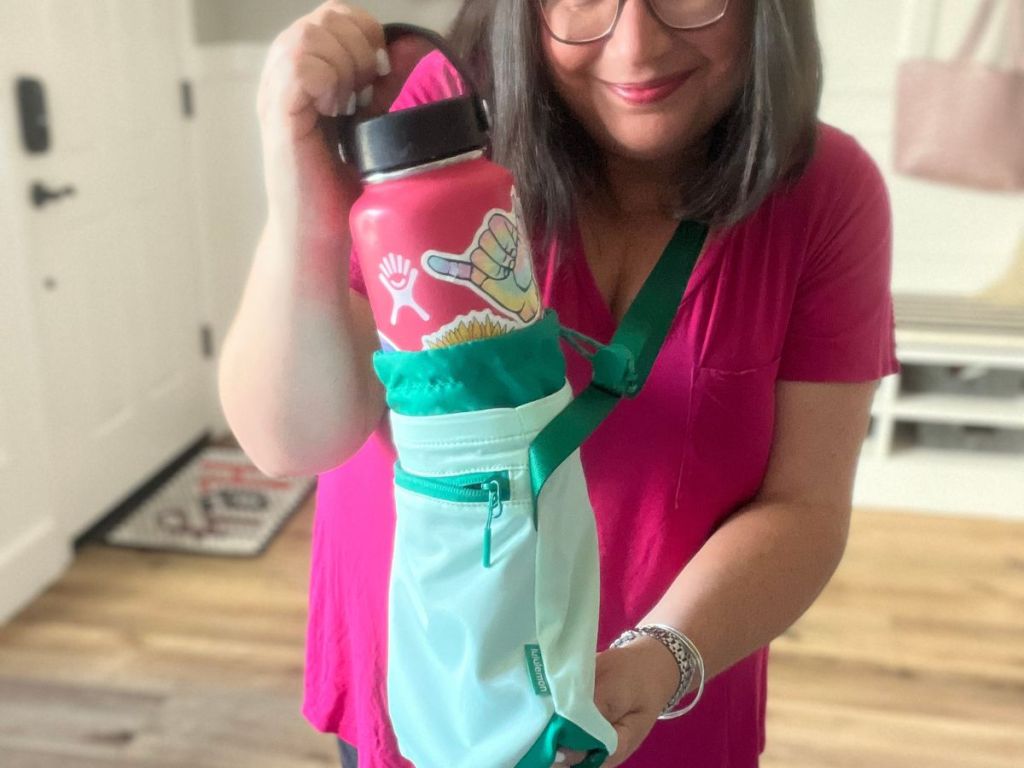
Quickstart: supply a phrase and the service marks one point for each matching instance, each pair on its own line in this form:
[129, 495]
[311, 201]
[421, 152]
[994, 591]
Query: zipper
[491, 488]
[493, 502]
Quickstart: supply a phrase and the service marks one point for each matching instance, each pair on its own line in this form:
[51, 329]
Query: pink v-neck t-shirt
[799, 290]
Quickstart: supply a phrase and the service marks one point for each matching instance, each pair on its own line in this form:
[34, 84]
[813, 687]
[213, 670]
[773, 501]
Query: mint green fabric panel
[568, 600]
[500, 372]
[484, 662]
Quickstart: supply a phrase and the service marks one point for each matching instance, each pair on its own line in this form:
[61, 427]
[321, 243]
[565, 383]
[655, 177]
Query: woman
[722, 492]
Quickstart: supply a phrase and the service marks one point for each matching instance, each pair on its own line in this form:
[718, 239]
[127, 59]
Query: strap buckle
[615, 370]
[613, 365]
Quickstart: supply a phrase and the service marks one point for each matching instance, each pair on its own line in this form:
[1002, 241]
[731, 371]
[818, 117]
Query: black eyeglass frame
[615, 21]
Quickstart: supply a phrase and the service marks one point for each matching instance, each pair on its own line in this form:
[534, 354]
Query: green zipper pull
[493, 502]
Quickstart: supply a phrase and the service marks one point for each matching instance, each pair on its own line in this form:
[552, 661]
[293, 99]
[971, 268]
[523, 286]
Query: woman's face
[622, 89]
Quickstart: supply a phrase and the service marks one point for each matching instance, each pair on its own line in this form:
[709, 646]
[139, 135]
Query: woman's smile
[640, 93]
[648, 92]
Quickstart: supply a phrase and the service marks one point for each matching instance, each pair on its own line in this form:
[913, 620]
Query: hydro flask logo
[535, 668]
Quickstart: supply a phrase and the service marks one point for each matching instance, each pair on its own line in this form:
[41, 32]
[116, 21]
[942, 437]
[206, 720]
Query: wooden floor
[913, 656]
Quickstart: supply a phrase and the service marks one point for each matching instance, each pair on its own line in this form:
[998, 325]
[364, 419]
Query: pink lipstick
[650, 91]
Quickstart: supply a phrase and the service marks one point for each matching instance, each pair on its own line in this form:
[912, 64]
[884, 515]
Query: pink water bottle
[438, 228]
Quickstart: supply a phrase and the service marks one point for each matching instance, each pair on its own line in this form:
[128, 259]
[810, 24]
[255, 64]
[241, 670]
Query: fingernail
[352, 102]
[559, 756]
[383, 62]
[335, 107]
[366, 96]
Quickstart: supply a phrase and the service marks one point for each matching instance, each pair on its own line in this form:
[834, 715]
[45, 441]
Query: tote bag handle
[983, 19]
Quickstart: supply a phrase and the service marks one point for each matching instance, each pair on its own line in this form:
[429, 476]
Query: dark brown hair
[765, 138]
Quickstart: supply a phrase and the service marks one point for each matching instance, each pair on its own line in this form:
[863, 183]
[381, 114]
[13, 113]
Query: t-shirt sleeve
[841, 327]
[432, 79]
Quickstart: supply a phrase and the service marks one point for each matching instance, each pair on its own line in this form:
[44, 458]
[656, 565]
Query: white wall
[222, 21]
[947, 240]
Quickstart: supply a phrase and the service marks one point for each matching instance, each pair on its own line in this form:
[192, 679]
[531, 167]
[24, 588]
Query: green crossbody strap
[621, 367]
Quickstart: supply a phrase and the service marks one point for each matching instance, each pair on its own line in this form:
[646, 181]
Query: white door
[113, 266]
[32, 551]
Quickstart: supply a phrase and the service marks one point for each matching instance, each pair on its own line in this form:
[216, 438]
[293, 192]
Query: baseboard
[30, 564]
[99, 529]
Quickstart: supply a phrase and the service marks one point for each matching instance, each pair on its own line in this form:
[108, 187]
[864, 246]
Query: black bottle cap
[411, 137]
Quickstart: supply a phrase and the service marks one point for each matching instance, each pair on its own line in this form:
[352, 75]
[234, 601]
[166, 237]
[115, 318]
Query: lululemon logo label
[535, 668]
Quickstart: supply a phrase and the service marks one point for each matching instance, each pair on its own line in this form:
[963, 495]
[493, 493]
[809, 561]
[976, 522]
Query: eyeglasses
[585, 21]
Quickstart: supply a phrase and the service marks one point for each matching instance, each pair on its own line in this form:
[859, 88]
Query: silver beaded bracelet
[687, 657]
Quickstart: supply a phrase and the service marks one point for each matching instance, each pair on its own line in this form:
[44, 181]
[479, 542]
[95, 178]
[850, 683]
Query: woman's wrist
[686, 657]
[662, 672]
[658, 677]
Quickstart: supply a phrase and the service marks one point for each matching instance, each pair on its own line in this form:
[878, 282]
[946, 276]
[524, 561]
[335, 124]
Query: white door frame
[33, 549]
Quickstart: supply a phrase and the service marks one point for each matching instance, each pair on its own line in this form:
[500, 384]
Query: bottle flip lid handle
[346, 125]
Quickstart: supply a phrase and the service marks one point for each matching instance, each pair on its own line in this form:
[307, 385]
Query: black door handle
[41, 195]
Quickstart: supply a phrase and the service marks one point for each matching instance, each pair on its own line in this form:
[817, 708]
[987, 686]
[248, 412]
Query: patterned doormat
[218, 503]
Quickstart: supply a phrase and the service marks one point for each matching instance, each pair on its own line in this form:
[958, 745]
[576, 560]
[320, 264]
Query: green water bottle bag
[494, 587]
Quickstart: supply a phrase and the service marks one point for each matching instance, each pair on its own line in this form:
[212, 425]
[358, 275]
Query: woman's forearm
[753, 578]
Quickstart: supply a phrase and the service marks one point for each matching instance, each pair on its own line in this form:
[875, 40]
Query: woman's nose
[638, 35]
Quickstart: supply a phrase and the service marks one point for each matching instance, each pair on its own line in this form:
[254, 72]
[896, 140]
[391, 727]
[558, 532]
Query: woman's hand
[325, 63]
[330, 62]
[633, 684]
